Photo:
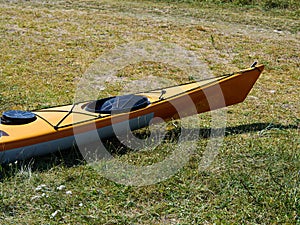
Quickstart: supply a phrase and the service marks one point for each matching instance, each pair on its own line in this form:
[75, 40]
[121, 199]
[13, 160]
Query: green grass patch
[266, 4]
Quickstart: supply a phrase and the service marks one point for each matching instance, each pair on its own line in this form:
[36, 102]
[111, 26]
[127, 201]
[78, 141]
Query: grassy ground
[46, 46]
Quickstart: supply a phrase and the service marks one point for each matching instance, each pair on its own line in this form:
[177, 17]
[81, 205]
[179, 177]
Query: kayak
[26, 134]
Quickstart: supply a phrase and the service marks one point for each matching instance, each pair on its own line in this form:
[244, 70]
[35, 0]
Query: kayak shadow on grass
[73, 157]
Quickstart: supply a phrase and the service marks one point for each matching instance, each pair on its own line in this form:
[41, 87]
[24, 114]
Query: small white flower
[68, 192]
[61, 187]
[55, 213]
[40, 187]
[35, 197]
[252, 97]
[44, 195]
[272, 91]
[80, 204]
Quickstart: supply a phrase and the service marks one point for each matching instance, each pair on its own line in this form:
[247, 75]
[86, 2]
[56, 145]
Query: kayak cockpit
[117, 104]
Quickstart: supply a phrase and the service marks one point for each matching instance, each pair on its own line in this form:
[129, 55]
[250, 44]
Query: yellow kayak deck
[59, 122]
